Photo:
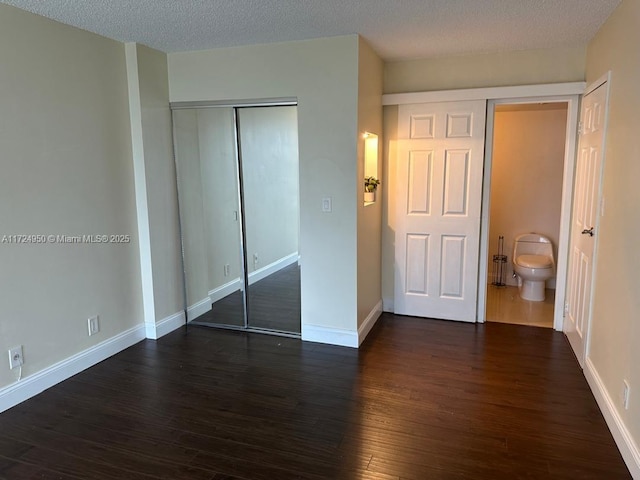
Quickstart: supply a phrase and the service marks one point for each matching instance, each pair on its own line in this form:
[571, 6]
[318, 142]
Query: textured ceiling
[397, 29]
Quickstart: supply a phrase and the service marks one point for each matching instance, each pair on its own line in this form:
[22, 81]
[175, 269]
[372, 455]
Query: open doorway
[526, 196]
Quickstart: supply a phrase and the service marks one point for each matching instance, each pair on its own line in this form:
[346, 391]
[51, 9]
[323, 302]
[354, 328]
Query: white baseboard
[198, 308]
[626, 444]
[267, 270]
[38, 382]
[224, 290]
[369, 322]
[387, 305]
[164, 326]
[332, 336]
[340, 337]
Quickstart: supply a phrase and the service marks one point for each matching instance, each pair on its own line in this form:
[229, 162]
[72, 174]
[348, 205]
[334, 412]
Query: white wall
[526, 176]
[322, 74]
[370, 72]
[614, 352]
[66, 169]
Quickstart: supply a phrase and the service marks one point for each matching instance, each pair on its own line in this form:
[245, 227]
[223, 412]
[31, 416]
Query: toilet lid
[534, 261]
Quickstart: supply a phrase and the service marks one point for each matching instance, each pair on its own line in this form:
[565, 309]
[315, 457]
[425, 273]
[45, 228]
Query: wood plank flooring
[422, 399]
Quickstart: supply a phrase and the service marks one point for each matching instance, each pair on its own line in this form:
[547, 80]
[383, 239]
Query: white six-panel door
[439, 196]
[584, 219]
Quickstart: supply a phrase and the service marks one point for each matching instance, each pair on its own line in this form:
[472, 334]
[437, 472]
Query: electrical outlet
[326, 204]
[255, 259]
[93, 325]
[16, 359]
[227, 268]
[626, 391]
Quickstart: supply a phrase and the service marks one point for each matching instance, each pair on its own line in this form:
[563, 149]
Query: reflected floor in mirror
[504, 305]
[274, 304]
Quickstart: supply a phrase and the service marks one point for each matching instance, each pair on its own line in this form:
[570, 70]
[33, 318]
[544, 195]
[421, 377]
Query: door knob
[588, 231]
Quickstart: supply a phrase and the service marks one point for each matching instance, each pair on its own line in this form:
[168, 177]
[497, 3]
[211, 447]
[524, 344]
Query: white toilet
[534, 264]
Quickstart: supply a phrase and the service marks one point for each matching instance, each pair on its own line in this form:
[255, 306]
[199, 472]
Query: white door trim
[573, 111]
[606, 78]
[490, 93]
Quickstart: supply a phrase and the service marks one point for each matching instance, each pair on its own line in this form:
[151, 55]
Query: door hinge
[566, 309]
[580, 126]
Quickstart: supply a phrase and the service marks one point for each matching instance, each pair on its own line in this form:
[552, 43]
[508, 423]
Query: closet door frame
[235, 105]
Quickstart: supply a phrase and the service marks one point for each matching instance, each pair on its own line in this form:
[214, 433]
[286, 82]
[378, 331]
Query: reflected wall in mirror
[268, 139]
[238, 188]
[207, 172]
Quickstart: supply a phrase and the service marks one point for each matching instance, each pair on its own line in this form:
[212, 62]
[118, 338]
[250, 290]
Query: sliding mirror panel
[210, 215]
[268, 150]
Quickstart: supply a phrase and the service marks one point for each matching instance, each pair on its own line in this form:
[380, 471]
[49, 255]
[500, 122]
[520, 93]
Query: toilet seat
[534, 261]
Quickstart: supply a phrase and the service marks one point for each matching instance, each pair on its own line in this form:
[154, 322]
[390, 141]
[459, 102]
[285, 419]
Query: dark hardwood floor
[422, 399]
[274, 304]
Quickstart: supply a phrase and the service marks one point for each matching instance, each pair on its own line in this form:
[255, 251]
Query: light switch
[326, 204]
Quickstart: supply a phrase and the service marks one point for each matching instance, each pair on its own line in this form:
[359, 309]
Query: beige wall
[526, 176]
[162, 202]
[615, 327]
[389, 155]
[66, 169]
[523, 67]
[323, 75]
[370, 70]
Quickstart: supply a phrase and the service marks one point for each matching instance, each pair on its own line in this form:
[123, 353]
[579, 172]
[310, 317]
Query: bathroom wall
[526, 176]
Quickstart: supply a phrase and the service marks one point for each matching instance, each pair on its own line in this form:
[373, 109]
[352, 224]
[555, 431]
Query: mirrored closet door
[238, 188]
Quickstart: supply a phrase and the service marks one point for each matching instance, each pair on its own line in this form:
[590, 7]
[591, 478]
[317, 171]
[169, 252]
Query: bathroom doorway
[527, 168]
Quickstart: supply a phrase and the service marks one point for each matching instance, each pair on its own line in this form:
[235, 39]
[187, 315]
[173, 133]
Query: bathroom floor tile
[504, 305]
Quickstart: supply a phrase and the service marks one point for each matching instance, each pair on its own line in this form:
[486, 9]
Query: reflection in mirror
[238, 190]
[207, 170]
[268, 141]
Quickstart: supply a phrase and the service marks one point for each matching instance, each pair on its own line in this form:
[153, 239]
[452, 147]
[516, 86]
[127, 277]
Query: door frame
[571, 93]
[569, 165]
[235, 105]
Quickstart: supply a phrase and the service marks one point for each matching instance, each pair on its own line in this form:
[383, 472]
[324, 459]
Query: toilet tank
[532, 244]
